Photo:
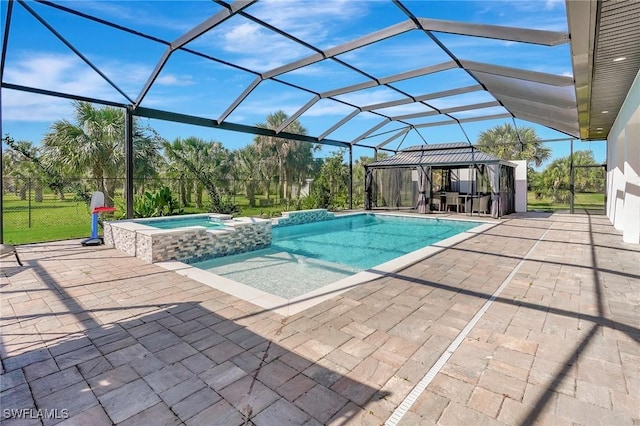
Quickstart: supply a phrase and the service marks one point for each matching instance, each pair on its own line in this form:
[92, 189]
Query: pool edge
[289, 307]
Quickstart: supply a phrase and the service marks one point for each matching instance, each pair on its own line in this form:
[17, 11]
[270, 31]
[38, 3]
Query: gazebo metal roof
[438, 155]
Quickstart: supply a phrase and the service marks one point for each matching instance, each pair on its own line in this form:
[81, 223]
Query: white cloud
[370, 96]
[312, 21]
[60, 73]
[28, 107]
[66, 73]
[137, 13]
[551, 4]
[175, 80]
[328, 108]
[259, 49]
[252, 46]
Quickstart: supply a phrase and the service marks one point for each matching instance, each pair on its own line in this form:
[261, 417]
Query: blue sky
[192, 85]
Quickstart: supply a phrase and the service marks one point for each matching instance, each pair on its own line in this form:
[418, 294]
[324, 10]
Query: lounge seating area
[461, 202]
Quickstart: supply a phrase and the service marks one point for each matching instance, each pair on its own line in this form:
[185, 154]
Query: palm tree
[292, 158]
[247, 170]
[147, 160]
[208, 163]
[556, 177]
[94, 144]
[508, 143]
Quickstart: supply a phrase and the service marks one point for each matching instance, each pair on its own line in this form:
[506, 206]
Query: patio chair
[481, 204]
[435, 202]
[8, 250]
[452, 200]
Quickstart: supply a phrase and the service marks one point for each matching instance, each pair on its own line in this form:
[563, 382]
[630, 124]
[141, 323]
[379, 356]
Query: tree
[209, 163]
[332, 183]
[247, 170]
[147, 161]
[17, 166]
[23, 161]
[93, 145]
[292, 159]
[554, 181]
[506, 143]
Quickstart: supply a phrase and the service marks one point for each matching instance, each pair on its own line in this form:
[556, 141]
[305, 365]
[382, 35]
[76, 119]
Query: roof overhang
[602, 33]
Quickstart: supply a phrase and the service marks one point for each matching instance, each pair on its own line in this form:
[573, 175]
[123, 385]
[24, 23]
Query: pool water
[175, 222]
[302, 258]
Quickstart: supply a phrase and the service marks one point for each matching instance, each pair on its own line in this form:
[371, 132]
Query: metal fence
[35, 210]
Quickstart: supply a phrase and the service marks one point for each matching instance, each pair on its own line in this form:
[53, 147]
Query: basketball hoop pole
[95, 239]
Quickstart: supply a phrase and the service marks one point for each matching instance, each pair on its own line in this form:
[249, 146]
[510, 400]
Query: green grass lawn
[54, 219]
[582, 201]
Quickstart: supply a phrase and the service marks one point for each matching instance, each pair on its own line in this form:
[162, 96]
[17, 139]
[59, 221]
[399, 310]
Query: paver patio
[114, 340]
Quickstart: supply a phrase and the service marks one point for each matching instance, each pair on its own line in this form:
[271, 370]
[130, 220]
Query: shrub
[155, 204]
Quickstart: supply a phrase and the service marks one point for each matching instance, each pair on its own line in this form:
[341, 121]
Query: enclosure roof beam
[62, 95]
[253, 130]
[339, 123]
[519, 74]
[374, 37]
[463, 120]
[237, 101]
[73, 48]
[298, 113]
[189, 36]
[448, 110]
[394, 137]
[435, 95]
[391, 79]
[5, 40]
[523, 35]
[371, 130]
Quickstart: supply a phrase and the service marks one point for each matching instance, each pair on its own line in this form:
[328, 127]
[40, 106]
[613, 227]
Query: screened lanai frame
[541, 98]
[410, 171]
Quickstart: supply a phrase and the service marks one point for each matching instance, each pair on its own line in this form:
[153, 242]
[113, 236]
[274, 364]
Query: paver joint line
[412, 397]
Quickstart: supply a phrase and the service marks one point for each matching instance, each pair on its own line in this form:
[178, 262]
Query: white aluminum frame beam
[391, 79]
[448, 110]
[434, 95]
[374, 37]
[519, 74]
[400, 133]
[339, 123]
[371, 130]
[189, 36]
[383, 34]
[298, 113]
[523, 35]
[463, 120]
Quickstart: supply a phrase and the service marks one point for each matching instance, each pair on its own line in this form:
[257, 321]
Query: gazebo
[427, 177]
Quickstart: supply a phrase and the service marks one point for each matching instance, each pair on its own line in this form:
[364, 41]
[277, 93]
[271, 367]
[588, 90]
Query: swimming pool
[303, 258]
[177, 222]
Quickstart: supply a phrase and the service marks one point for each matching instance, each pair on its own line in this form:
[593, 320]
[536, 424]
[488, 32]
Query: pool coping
[288, 307]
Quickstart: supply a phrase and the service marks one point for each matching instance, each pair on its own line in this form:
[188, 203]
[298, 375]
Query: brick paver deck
[113, 340]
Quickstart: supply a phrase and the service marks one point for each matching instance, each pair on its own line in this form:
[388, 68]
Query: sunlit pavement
[93, 336]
